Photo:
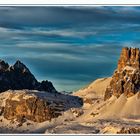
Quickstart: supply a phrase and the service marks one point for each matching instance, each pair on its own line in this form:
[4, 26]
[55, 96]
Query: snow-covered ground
[96, 116]
[95, 89]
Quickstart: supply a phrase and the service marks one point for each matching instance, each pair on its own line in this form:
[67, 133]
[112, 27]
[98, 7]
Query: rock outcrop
[22, 105]
[126, 78]
[131, 130]
[19, 77]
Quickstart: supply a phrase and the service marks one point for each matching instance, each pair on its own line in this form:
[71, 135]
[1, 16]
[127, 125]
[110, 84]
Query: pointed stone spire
[3, 65]
[129, 57]
[20, 66]
[126, 79]
[18, 77]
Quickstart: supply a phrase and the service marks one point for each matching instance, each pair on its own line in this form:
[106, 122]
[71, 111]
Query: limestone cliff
[126, 78]
[37, 106]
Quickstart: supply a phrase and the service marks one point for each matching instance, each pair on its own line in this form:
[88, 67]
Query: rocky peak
[19, 66]
[3, 66]
[129, 57]
[18, 77]
[126, 78]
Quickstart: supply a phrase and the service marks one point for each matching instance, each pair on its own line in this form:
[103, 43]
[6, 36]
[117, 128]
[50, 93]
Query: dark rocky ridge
[126, 78]
[19, 77]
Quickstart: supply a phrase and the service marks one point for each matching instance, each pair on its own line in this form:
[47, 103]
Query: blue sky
[70, 46]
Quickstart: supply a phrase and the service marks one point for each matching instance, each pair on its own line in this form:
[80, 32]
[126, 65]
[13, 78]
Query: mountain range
[108, 105]
[18, 76]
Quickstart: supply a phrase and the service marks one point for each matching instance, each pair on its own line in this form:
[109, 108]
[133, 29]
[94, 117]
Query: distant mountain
[19, 77]
[66, 92]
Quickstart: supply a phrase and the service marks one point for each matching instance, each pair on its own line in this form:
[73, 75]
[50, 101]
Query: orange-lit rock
[126, 79]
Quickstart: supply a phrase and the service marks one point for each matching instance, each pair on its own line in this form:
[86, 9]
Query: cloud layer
[71, 46]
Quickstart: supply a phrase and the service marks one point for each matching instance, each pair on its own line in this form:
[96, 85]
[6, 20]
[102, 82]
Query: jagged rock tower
[126, 78]
[18, 77]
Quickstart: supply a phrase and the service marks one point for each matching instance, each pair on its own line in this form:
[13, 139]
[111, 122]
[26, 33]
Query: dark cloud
[67, 16]
[70, 45]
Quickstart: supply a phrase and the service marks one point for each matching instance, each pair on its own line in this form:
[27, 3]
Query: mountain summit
[126, 78]
[19, 66]
[129, 57]
[18, 77]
